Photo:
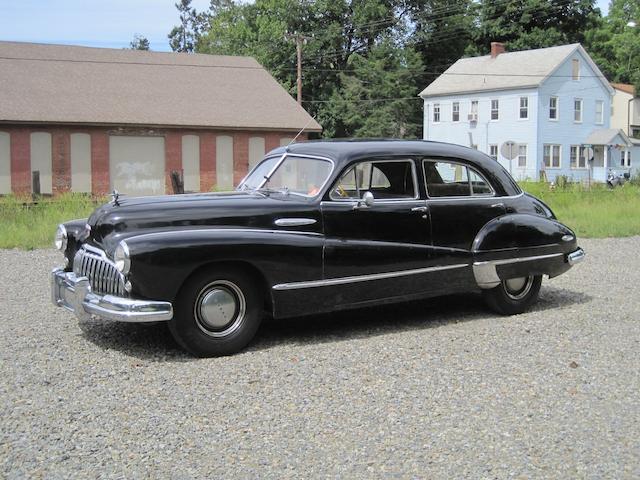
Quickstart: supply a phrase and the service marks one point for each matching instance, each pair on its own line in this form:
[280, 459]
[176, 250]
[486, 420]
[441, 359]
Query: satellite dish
[509, 150]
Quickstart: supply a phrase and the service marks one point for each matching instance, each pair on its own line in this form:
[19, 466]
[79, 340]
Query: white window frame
[575, 69]
[552, 146]
[625, 158]
[580, 156]
[578, 101]
[455, 109]
[472, 110]
[520, 156]
[556, 108]
[491, 147]
[526, 108]
[496, 110]
[436, 112]
[600, 113]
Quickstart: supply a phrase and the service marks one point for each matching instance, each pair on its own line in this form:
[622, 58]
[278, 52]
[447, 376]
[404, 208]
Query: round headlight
[121, 258]
[60, 240]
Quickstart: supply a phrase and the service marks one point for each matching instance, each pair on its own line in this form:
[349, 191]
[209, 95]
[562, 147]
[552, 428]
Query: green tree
[139, 42]
[614, 43]
[184, 37]
[527, 24]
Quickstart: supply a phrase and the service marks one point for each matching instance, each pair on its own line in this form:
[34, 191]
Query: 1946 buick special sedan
[314, 227]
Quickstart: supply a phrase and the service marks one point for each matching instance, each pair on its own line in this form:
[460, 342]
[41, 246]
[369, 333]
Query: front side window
[577, 110]
[524, 108]
[386, 179]
[294, 174]
[455, 112]
[450, 179]
[551, 156]
[599, 112]
[436, 113]
[522, 155]
[553, 108]
[495, 109]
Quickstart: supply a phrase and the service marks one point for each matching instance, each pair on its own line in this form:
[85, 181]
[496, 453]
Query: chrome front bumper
[74, 293]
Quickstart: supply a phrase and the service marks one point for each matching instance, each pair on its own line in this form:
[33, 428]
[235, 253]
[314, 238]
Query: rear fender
[520, 245]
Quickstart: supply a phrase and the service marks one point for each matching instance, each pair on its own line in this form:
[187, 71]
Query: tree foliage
[139, 42]
[615, 43]
[365, 61]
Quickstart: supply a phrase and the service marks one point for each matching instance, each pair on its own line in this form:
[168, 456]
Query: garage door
[136, 165]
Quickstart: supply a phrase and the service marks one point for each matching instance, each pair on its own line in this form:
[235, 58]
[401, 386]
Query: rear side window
[451, 179]
[390, 180]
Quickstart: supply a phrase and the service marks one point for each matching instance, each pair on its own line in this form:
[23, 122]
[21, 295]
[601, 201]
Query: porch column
[605, 159]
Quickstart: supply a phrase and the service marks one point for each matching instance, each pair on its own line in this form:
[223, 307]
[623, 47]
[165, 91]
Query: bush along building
[90, 120]
[554, 104]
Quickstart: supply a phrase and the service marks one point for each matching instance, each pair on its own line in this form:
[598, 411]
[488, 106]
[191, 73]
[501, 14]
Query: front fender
[162, 261]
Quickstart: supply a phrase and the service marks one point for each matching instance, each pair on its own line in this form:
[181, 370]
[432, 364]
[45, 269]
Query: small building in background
[553, 103]
[91, 119]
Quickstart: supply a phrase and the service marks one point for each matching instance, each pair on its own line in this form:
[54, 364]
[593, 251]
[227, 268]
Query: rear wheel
[217, 312]
[514, 295]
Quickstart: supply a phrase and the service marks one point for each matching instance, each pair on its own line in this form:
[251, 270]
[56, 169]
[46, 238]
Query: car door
[460, 201]
[369, 248]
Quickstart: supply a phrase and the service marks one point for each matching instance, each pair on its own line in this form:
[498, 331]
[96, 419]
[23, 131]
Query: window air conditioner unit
[473, 117]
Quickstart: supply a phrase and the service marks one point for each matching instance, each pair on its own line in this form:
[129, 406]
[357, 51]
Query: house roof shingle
[81, 85]
[507, 71]
[624, 87]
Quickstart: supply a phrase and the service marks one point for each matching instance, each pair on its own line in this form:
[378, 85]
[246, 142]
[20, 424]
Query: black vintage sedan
[315, 227]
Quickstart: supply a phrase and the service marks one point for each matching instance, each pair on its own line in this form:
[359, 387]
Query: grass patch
[595, 212]
[31, 224]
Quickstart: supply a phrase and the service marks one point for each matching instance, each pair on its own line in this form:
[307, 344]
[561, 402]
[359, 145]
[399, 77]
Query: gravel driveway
[436, 389]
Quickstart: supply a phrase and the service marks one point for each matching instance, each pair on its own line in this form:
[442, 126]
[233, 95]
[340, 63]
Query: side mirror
[366, 201]
[367, 198]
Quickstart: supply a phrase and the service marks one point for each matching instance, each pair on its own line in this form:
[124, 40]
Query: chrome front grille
[104, 277]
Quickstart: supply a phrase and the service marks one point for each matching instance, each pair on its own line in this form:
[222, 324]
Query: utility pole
[300, 40]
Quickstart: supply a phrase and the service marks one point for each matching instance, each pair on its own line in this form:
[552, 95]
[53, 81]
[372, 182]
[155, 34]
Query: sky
[97, 23]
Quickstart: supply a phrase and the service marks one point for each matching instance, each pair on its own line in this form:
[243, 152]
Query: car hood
[132, 216]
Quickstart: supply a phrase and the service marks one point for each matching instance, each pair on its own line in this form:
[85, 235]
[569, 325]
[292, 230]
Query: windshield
[295, 174]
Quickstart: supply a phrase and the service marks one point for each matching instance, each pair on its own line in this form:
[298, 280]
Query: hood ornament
[115, 195]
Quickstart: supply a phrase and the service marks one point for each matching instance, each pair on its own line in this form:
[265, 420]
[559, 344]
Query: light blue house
[554, 104]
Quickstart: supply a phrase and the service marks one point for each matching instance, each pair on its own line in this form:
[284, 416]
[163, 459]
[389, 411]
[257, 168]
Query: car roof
[344, 151]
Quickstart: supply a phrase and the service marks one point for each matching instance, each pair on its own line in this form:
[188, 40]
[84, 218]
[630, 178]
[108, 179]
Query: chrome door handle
[496, 205]
[420, 209]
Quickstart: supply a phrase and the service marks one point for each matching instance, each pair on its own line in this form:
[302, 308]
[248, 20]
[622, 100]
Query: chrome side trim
[74, 294]
[485, 272]
[294, 222]
[363, 278]
[215, 230]
[576, 257]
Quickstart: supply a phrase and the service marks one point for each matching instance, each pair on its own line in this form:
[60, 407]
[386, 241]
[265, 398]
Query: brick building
[91, 119]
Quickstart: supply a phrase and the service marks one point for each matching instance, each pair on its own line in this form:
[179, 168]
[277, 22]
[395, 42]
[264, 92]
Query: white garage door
[136, 165]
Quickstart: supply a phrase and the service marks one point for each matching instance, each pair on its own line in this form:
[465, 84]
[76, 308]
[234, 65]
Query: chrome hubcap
[517, 288]
[220, 308]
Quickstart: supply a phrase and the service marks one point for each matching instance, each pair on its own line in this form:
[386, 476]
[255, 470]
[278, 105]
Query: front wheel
[514, 295]
[217, 312]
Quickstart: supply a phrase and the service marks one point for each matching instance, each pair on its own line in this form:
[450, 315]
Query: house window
[495, 109]
[524, 108]
[474, 146]
[635, 132]
[473, 115]
[522, 155]
[625, 159]
[553, 108]
[455, 112]
[578, 156]
[575, 69]
[599, 112]
[436, 113]
[493, 151]
[577, 110]
[551, 155]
